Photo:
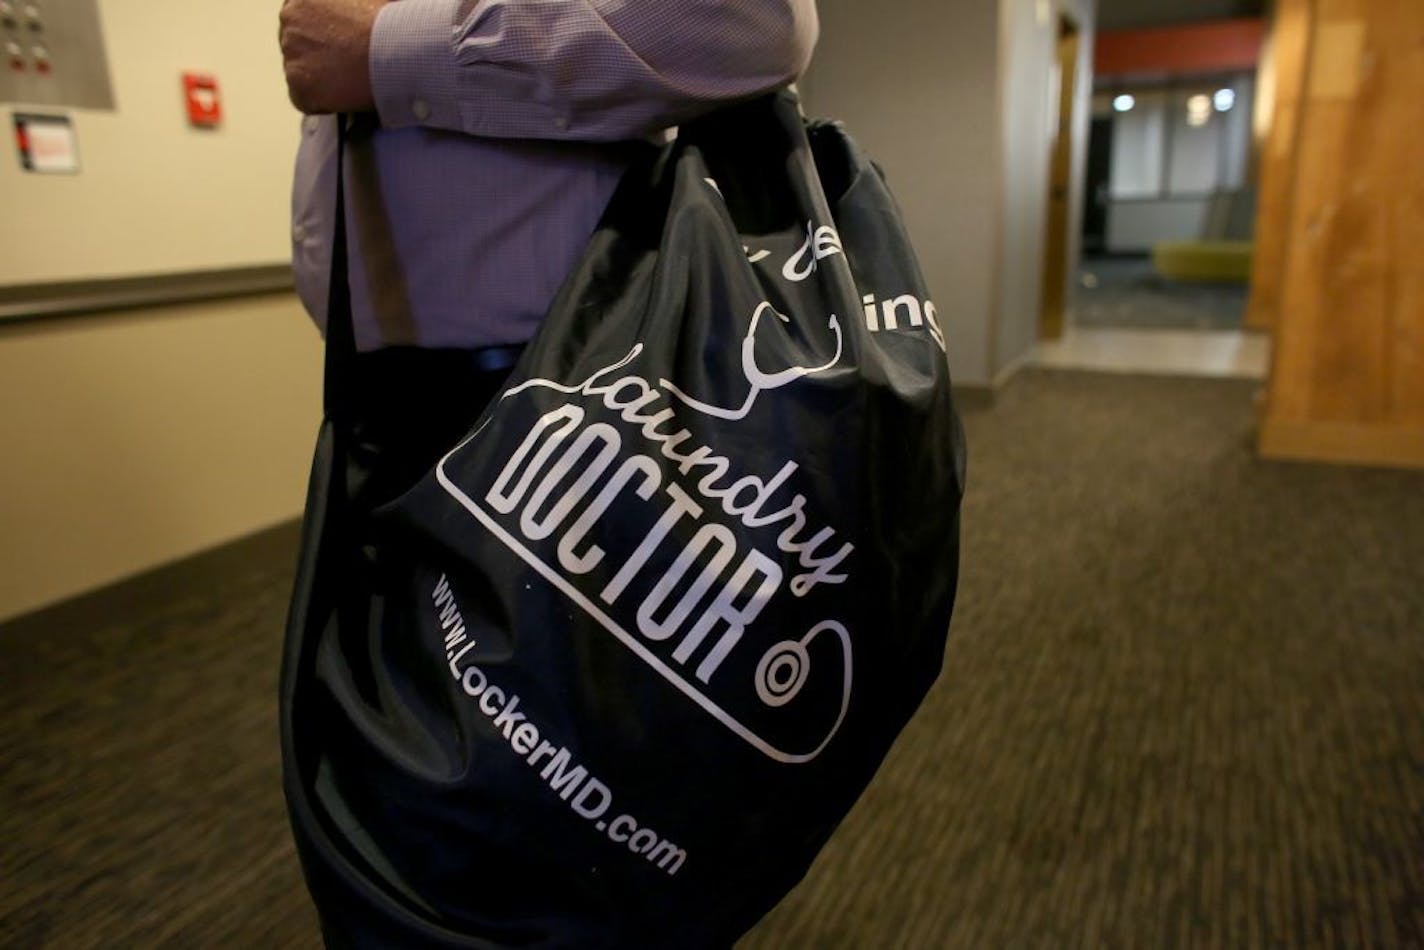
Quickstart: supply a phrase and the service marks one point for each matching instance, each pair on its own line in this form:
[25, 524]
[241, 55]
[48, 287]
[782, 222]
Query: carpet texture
[1183, 706]
[1127, 293]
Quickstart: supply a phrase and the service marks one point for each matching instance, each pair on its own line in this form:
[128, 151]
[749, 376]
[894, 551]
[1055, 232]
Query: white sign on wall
[47, 144]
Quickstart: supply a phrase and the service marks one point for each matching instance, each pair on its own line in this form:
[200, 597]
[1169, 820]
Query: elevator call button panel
[52, 54]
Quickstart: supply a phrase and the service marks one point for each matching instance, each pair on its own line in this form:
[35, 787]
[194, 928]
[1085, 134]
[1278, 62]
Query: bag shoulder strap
[340, 330]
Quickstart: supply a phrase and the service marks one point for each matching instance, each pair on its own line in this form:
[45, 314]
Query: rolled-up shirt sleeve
[593, 70]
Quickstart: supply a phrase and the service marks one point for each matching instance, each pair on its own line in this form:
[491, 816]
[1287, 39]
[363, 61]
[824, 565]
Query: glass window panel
[1137, 146]
[1195, 133]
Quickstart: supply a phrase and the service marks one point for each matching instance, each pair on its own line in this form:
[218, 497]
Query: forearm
[579, 69]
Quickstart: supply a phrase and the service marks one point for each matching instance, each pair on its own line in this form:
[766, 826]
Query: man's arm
[547, 69]
[325, 52]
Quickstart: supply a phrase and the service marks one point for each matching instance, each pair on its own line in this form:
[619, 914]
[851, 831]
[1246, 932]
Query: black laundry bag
[615, 666]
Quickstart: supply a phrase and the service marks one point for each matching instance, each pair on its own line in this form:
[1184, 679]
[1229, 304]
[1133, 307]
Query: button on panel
[53, 54]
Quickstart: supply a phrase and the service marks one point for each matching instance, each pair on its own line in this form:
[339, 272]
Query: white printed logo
[886, 315]
[759, 380]
[824, 241]
[667, 576]
[587, 796]
[820, 243]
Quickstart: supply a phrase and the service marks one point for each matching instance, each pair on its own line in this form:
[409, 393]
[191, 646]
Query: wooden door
[1055, 264]
[1347, 380]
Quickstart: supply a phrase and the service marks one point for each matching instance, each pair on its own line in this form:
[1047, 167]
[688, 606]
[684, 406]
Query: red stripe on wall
[1215, 46]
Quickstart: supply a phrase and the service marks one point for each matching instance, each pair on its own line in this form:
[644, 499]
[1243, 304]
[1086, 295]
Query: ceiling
[1132, 14]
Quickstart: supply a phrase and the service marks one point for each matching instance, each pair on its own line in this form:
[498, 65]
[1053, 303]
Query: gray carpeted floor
[1127, 293]
[1183, 705]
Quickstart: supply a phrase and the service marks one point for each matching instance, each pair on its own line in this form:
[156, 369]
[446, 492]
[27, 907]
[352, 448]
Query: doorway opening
[1168, 205]
[1057, 246]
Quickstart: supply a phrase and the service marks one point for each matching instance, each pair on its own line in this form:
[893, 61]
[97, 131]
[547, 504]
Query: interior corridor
[1180, 707]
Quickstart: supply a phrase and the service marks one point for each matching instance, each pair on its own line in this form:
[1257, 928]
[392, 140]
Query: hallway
[1231, 354]
[1180, 707]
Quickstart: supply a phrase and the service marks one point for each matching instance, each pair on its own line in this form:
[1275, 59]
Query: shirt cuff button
[561, 123]
[420, 109]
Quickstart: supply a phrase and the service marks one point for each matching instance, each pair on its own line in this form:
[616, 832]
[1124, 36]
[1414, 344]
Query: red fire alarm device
[204, 106]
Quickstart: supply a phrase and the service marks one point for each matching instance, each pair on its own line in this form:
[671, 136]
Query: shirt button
[311, 124]
[420, 109]
[299, 234]
[561, 123]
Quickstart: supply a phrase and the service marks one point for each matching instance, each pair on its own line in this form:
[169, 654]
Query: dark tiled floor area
[1126, 293]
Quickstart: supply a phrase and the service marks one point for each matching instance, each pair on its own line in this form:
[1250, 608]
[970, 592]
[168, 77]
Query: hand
[325, 53]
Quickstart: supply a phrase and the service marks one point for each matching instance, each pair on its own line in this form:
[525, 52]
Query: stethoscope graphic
[759, 380]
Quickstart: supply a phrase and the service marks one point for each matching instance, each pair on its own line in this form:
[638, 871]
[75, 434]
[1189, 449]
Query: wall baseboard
[1350, 443]
[1013, 367]
[276, 545]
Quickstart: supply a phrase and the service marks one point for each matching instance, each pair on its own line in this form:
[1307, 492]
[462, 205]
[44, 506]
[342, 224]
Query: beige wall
[1029, 30]
[132, 440]
[951, 98]
[127, 441]
[915, 82]
[154, 195]
[1085, 14]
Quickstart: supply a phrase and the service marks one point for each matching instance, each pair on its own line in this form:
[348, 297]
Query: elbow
[807, 32]
[791, 40]
[734, 50]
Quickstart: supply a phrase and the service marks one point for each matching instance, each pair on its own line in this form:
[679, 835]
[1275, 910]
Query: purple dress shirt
[502, 128]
